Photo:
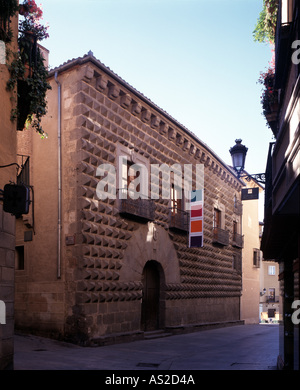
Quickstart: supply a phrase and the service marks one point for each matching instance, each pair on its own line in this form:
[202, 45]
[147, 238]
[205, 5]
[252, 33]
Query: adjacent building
[269, 307]
[281, 236]
[270, 295]
[8, 173]
[102, 269]
[251, 254]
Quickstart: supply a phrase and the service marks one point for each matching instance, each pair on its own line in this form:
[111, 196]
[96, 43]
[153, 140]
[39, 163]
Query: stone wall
[104, 252]
[7, 222]
[7, 264]
[115, 249]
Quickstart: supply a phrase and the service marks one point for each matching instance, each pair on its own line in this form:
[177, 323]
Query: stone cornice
[118, 90]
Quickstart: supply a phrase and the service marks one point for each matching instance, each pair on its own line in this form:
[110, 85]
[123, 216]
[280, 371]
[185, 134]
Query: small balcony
[178, 219]
[220, 236]
[272, 299]
[269, 299]
[140, 208]
[238, 240]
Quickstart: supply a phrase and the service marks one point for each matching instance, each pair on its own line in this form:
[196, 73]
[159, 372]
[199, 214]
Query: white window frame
[271, 270]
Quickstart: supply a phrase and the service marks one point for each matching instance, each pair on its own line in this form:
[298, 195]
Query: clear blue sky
[195, 59]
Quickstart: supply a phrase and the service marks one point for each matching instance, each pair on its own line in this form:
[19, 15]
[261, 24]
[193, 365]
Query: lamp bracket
[259, 177]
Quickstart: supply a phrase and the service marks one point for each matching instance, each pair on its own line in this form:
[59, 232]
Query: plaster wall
[251, 273]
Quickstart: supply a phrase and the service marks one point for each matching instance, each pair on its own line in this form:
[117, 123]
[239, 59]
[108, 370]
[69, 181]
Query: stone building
[106, 270]
[8, 173]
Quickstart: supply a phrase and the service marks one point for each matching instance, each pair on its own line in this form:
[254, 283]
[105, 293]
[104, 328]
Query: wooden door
[151, 297]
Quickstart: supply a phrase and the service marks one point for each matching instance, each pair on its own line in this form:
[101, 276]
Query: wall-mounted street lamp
[263, 292]
[238, 154]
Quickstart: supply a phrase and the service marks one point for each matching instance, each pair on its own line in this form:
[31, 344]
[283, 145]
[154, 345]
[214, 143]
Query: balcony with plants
[28, 73]
[269, 98]
[264, 32]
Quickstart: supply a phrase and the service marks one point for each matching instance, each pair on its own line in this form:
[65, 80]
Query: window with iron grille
[236, 263]
[256, 258]
[23, 176]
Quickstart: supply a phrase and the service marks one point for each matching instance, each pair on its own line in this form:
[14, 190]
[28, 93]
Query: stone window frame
[222, 209]
[133, 157]
[177, 203]
[237, 219]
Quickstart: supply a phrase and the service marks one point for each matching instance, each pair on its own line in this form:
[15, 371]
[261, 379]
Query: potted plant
[269, 97]
[265, 32]
[266, 23]
[28, 72]
[31, 23]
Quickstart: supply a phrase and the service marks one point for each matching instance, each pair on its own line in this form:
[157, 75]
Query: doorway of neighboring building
[152, 316]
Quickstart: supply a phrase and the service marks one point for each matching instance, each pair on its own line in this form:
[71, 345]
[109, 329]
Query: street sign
[250, 193]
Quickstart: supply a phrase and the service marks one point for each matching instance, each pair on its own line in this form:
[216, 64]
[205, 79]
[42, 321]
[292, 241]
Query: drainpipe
[59, 227]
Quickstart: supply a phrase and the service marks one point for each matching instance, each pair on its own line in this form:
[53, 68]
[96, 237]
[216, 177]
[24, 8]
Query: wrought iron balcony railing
[220, 236]
[270, 299]
[24, 174]
[178, 219]
[135, 205]
[238, 240]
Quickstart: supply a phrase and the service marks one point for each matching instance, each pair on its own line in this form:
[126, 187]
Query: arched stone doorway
[151, 244]
[153, 300]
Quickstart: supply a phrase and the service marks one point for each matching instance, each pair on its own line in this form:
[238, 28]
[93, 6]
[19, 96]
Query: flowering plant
[31, 23]
[266, 23]
[29, 6]
[265, 32]
[28, 74]
[270, 94]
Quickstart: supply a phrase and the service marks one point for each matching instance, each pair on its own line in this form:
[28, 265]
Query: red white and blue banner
[196, 219]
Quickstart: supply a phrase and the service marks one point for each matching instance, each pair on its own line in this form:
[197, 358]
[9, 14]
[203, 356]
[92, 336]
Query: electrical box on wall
[16, 199]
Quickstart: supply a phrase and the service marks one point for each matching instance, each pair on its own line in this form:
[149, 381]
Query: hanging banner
[196, 219]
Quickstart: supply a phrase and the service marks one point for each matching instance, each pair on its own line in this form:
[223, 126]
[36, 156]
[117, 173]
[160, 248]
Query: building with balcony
[281, 236]
[8, 173]
[269, 305]
[270, 294]
[105, 253]
[251, 254]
